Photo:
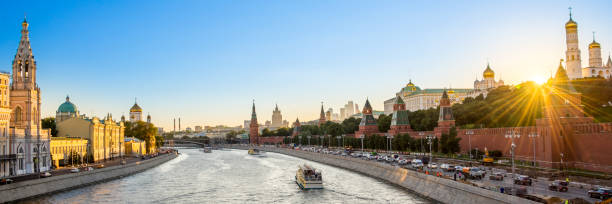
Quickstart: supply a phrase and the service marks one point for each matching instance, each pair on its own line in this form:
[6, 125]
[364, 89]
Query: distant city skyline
[206, 61]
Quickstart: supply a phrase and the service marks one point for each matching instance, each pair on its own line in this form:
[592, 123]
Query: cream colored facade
[5, 113]
[105, 136]
[135, 147]
[63, 147]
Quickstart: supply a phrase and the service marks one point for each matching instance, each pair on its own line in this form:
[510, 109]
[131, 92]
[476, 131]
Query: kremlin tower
[399, 119]
[254, 127]
[322, 116]
[368, 124]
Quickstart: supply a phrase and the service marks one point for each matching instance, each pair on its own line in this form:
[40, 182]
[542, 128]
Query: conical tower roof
[399, 100]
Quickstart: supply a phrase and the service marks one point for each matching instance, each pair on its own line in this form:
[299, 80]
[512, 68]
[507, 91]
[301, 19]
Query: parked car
[89, 168]
[458, 168]
[601, 193]
[45, 174]
[381, 157]
[560, 186]
[99, 166]
[402, 162]
[474, 172]
[389, 159]
[432, 165]
[6, 181]
[416, 163]
[523, 180]
[496, 176]
[74, 170]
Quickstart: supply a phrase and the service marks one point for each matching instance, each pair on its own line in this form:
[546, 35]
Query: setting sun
[538, 79]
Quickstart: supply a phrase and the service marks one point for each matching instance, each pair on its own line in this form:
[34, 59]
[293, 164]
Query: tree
[143, 131]
[334, 129]
[384, 122]
[351, 125]
[450, 142]
[49, 123]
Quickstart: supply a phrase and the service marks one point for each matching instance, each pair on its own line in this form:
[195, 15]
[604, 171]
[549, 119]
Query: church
[24, 144]
[573, 60]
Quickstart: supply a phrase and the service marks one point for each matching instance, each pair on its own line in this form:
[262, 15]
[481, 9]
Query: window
[44, 161]
[18, 114]
[20, 163]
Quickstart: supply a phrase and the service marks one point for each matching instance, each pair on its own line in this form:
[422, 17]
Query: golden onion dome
[571, 24]
[410, 84]
[594, 45]
[135, 108]
[488, 73]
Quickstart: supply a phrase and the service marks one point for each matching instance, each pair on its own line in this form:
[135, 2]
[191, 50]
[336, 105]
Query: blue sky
[204, 61]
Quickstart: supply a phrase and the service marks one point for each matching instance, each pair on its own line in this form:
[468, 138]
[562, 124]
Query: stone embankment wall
[36, 187]
[438, 189]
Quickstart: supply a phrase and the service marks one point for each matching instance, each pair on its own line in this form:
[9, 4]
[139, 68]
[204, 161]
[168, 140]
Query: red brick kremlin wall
[588, 146]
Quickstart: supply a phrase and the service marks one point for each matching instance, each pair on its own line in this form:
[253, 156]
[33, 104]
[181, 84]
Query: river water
[233, 176]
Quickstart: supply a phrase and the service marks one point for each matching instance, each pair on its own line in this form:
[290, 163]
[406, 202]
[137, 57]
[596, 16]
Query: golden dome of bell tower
[488, 73]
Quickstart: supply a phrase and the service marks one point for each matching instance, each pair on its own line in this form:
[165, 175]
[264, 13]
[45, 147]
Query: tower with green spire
[368, 123]
[399, 120]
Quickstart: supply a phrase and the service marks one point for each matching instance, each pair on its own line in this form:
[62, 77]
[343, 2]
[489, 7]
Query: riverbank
[438, 189]
[37, 187]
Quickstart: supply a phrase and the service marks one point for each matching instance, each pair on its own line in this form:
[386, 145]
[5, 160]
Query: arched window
[593, 71]
[20, 150]
[27, 66]
[18, 114]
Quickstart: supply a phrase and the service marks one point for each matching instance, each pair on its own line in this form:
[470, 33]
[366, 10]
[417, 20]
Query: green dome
[67, 107]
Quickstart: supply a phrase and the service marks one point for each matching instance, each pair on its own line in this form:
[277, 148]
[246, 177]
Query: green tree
[350, 125]
[334, 129]
[49, 123]
[143, 131]
[384, 122]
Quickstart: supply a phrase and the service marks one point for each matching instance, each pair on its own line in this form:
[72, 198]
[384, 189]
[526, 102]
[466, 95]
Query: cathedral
[25, 145]
[573, 60]
[488, 80]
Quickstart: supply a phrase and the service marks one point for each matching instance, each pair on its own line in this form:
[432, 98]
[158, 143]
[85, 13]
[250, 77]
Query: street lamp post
[429, 138]
[309, 139]
[534, 136]
[362, 136]
[512, 134]
[470, 133]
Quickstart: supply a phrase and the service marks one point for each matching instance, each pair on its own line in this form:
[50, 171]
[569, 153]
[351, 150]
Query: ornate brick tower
[399, 119]
[25, 93]
[368, 124]
[446, 119]
[322, 115]
[254, 127]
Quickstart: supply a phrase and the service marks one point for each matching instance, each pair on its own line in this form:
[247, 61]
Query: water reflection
[234, 177]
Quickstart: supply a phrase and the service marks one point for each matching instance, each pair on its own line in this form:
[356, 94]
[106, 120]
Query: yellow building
[63, 147]
[135, 147]
[105, 136]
